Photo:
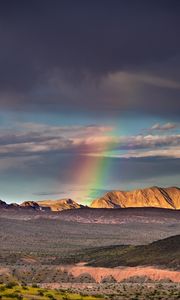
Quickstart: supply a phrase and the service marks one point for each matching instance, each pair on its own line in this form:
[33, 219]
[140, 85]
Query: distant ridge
[44, 205]
[149, 197]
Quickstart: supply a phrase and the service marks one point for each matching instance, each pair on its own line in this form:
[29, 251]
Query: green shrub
[14, 296]
[50, 296]
[40, 293]
[34, 285]
[10, 285]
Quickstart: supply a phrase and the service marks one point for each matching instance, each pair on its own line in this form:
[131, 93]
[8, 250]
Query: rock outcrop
[30, 204]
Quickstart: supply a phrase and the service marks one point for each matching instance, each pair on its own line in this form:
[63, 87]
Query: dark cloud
[59, 55]
[48, 193]
[63, 170]
[145, 168]
[41, 139]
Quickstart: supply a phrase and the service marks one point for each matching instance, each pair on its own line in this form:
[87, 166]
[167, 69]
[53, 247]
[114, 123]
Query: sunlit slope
[148, 197]
[58, 205]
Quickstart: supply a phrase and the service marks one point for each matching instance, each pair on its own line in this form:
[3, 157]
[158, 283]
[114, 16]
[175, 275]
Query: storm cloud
[108, 56]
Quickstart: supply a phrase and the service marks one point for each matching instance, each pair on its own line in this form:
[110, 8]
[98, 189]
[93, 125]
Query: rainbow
[95, 169]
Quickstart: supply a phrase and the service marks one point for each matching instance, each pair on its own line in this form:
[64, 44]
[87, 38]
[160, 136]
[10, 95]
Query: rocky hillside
[58, 205]
[148, 197]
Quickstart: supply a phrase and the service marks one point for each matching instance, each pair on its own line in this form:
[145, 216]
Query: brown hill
[58, 205]
[148, 197]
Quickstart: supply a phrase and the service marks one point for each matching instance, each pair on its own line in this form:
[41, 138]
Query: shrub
[14, 296]
[40, 293]
[10, 285]
[34, 285]
[50, 296]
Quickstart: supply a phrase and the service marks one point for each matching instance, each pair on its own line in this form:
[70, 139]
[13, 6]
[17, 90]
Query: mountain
[148, 197]
[58, 205]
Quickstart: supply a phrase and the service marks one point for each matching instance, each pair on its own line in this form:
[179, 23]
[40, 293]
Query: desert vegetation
[44, 252]
[128, 291]
[14, 291]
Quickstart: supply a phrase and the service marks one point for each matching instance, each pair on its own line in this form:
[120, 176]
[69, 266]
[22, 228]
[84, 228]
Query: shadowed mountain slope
[164, 253]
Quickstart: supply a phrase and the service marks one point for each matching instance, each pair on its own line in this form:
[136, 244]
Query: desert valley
[99, 249]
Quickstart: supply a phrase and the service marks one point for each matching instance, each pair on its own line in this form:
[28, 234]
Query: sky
[89, 97]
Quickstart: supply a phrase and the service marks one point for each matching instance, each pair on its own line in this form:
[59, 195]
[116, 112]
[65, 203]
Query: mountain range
[44, 205]
[157, 197]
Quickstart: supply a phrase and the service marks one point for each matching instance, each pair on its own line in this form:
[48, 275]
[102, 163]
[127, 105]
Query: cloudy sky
[89, 97]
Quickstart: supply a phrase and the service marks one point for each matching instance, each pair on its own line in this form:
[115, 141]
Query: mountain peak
[148, 197]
